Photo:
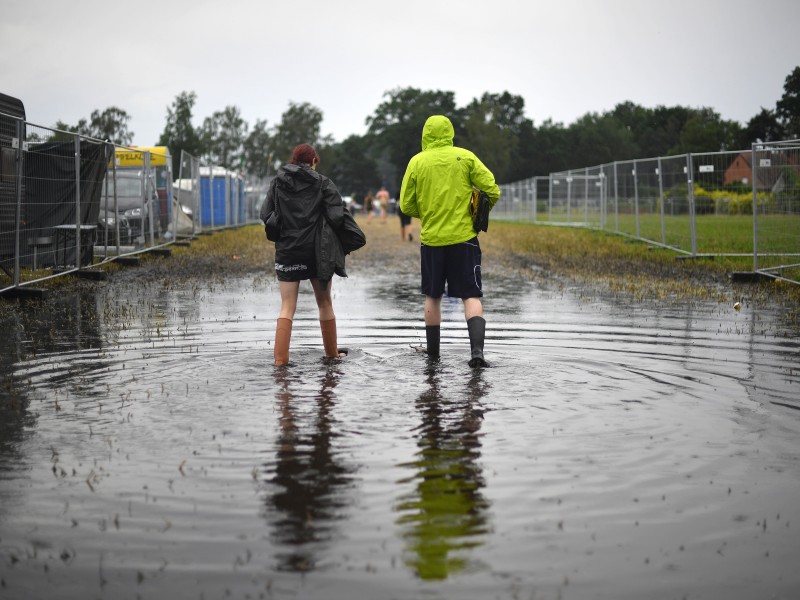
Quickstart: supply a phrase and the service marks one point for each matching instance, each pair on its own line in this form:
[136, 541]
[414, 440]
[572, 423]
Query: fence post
[211, 194]
[197, 196]
[229, 200]
[172, 201]
[116, 198]
[586, 197]
[755, 206]
[18, 190]
[690, 196]
[148, 201]
[661, 202]
[636, 197]
[602, 176]
[78, 256]
[535, 197]
[616, 199]
[569, 196]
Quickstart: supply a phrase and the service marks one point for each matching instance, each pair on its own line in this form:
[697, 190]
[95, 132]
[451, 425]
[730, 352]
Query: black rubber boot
[432, 338]
[477, 333]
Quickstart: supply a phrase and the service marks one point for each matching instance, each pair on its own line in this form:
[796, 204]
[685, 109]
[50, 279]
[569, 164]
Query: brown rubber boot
[329, 338]
[283, 335]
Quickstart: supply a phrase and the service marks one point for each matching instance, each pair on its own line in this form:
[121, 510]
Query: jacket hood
[437, 132]
[296, 178]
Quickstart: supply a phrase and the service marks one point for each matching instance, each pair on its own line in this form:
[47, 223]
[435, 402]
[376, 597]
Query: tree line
[494, 126]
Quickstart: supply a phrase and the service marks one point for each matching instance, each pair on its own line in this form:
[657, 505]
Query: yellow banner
[128, 157]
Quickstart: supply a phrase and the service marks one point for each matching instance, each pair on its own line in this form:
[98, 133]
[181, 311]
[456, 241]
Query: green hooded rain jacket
[437, 186]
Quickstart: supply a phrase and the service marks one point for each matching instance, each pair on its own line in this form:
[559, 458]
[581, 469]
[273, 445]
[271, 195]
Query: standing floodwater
[149, 449]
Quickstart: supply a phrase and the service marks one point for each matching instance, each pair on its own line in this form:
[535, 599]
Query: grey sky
[564, 57]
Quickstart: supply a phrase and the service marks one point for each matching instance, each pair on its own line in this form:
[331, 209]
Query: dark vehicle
[132, 213]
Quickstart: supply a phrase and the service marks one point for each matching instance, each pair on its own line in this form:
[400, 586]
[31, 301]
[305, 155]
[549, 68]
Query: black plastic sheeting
[51, 182]
[50, 193]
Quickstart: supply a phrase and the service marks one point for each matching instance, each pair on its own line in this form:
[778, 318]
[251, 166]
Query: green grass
[715, 234]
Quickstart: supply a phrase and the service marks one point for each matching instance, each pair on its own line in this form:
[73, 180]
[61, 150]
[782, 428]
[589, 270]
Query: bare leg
[289, 290]
[283, 330]
[433, 310]
[323, 298]
[327, 318]
[473, 307]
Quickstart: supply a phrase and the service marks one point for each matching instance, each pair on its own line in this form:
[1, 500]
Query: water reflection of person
[445, 515]
[307, 475]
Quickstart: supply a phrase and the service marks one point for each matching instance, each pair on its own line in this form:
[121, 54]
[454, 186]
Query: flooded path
[148, 449]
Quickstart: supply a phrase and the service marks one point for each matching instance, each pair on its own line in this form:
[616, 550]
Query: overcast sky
[564, 57]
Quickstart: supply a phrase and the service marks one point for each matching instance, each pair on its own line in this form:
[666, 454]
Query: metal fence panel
[722, 213]
[776, 192]
[68, 202]
[586, 202]
[673, 190]
[732, 203]
[62, 178]
[187, 192]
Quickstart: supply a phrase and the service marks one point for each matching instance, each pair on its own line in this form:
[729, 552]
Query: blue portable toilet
[213, 210]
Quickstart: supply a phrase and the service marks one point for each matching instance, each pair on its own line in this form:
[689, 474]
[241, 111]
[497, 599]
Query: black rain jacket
[311, 210]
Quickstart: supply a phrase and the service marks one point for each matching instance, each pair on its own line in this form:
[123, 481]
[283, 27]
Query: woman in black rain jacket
[303, 198]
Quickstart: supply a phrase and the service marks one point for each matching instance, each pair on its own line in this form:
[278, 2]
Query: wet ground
[614, 449]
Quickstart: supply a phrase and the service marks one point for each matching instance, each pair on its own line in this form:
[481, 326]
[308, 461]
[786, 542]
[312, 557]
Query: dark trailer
[12, 122]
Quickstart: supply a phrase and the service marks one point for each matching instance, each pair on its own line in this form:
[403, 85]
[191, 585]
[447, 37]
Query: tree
[258, 150]
[764, 127]
[179, 134]
[550, 150]
[60, 127]
[223, 135]
[493, 144]
[598, 139]
[396, 125]
[662, 135]
[495, 127]
[705, 131]
[300, 124]
[111, 125]
[788, 107]
[350, 165]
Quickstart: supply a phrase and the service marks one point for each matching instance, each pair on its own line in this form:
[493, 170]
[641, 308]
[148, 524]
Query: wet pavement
[614, 449]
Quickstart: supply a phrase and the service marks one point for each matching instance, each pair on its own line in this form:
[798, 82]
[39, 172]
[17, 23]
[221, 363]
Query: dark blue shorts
[458, 265]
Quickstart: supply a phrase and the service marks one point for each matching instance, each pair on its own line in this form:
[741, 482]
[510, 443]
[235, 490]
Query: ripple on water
[605, 444]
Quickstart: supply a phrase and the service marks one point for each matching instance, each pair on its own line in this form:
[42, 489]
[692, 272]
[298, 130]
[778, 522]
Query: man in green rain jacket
[437, 188]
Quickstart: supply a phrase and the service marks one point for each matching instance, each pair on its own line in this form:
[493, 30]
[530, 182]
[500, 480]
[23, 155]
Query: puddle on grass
[149, 449]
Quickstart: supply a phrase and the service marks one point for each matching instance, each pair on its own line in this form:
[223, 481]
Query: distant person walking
[370, 204]
[437, 188]
[405, 226]
[302, 197]
[383, 202]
